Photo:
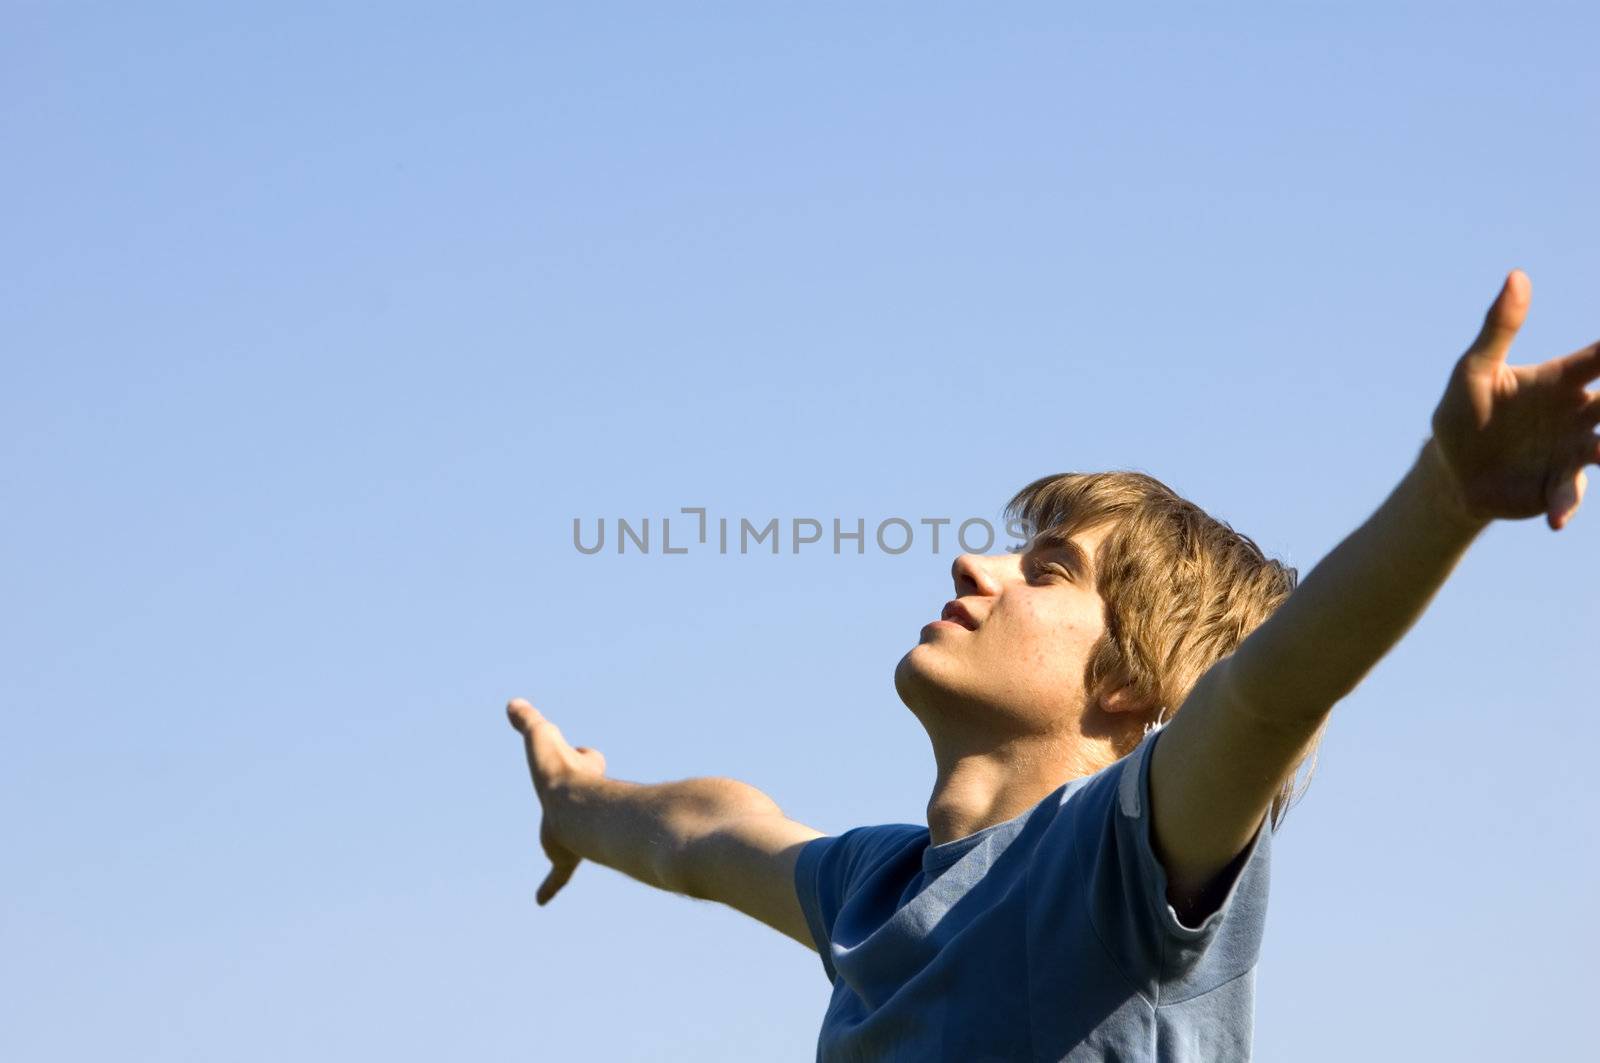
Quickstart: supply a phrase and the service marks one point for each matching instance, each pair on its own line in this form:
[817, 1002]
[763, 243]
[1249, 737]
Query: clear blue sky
[321, 326]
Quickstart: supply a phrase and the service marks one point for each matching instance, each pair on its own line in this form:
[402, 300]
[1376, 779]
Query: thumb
[1504, 318]
[558, 876]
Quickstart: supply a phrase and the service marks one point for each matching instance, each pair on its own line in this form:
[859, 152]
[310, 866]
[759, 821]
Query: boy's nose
[972, 576]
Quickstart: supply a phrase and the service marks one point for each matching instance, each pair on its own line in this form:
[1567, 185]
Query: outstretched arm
[1508, 442]
[711, 838]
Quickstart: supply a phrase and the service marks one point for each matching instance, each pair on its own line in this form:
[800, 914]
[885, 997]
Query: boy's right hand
[554, 765]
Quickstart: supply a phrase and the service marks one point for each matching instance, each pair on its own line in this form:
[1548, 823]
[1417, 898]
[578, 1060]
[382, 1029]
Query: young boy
[1117, 715]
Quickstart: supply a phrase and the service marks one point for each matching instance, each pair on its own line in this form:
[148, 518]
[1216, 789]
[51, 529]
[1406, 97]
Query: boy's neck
[987, 783]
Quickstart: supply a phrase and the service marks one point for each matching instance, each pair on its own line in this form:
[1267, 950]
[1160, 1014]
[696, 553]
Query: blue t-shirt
[1046, 937]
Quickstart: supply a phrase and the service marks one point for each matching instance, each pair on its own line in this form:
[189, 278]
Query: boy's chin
[922, 673]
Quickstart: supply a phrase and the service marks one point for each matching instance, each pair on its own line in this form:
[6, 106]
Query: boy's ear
[1125, 699]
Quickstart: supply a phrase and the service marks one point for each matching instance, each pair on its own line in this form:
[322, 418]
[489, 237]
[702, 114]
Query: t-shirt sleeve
[1126, 890]
[831, 869]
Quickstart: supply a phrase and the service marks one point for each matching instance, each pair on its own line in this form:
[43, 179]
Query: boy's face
[1015, 645]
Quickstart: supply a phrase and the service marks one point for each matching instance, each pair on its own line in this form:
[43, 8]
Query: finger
[1567, 497]
[1505, 317]
[597, 758]
[522, 715]
[541, 739]
[1566, 492]
[1579, 367]
[558, 876]
[527, 719]
[1589, 412]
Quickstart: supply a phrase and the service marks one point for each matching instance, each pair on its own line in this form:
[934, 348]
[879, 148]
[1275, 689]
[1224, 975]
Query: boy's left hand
[1514, 439]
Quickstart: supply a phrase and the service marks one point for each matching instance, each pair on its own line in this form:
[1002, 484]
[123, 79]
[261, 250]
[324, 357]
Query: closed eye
[1054, 568]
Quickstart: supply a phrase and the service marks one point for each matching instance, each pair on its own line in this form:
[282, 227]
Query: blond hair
[1182, 589]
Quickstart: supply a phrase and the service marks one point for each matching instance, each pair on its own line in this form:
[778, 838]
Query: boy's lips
[960, 614]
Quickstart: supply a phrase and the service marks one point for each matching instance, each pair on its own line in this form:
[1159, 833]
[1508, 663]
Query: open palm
[553, 762]
[1516, 438]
